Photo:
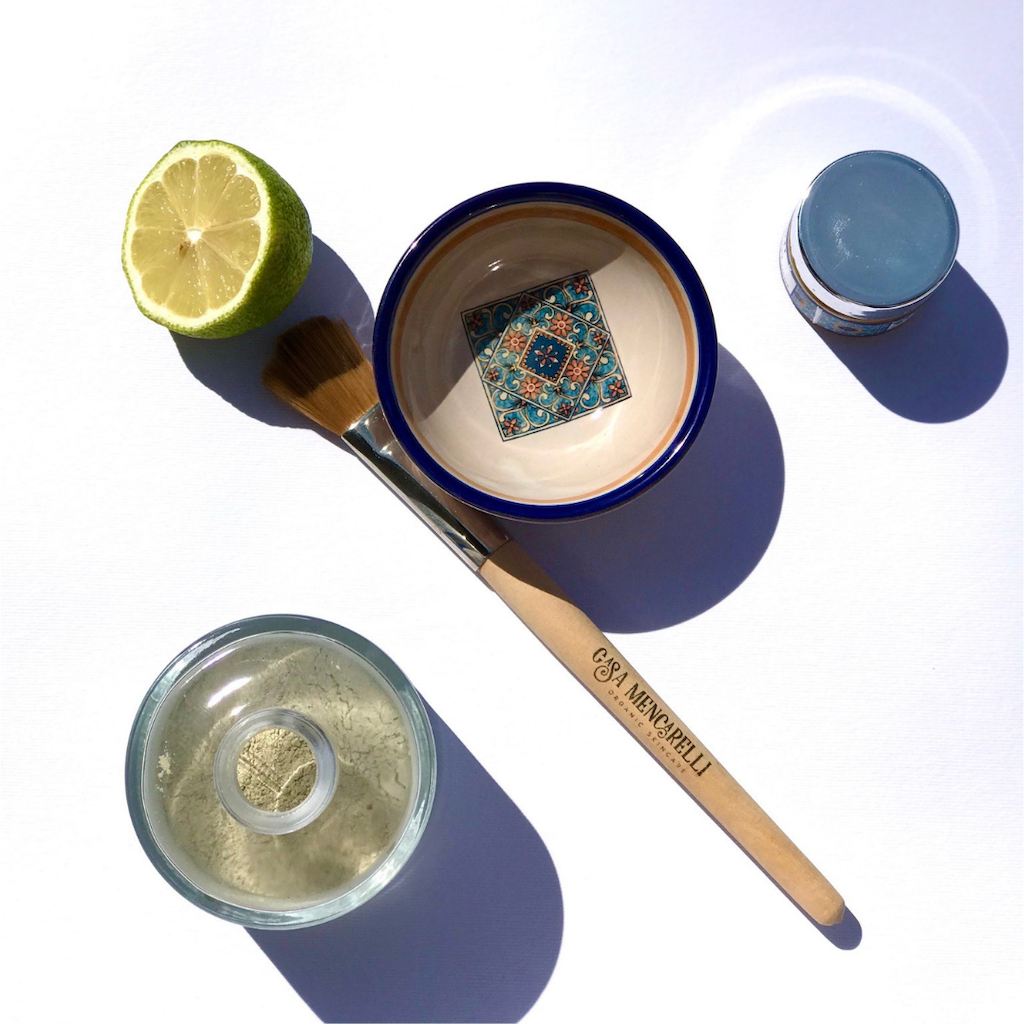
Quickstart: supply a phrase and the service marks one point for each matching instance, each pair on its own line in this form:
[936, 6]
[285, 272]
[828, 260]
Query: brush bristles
[318, 368]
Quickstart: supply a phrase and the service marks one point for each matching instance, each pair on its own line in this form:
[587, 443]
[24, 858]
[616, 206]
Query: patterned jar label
[825, 318]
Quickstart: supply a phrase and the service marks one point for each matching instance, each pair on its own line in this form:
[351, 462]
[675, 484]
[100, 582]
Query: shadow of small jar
[944, 363]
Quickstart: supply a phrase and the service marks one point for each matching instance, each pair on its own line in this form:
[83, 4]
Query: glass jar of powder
[280, 771]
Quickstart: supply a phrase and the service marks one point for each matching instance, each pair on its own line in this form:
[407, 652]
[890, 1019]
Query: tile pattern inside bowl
[545, 355]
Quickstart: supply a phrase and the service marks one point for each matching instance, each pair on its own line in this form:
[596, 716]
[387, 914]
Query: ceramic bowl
[545, 351]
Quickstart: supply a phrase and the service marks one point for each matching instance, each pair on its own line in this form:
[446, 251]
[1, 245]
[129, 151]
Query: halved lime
[216, 241]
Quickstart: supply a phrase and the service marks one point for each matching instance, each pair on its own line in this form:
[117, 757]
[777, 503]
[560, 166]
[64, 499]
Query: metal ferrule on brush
[474, 536]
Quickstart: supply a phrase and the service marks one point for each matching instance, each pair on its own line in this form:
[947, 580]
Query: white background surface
[864, 681]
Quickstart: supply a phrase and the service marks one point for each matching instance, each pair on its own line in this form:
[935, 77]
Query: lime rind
[278, 270]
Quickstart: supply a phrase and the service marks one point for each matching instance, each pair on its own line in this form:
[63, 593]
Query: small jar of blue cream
[873, 238]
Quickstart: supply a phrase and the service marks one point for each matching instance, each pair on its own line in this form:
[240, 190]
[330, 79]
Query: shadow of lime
[232, 366]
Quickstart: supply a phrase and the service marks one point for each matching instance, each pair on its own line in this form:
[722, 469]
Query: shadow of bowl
[688, 542]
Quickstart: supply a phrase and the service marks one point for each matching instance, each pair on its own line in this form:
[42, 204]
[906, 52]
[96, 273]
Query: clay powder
[276, 770]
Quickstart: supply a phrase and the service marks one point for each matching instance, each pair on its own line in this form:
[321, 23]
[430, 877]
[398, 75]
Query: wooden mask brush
[319, 369]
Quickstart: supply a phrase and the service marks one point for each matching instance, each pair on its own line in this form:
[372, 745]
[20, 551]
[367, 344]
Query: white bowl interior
[439, 365]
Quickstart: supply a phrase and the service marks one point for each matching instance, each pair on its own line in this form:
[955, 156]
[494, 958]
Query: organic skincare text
[610, 670]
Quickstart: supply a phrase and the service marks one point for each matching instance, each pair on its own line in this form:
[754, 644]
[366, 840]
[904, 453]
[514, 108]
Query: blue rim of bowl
[422, 741]
[573, 195]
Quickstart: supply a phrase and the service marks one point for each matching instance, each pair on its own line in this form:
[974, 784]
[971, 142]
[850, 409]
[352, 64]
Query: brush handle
[592, 658]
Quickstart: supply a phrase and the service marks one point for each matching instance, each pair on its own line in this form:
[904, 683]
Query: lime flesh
[216, 242]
